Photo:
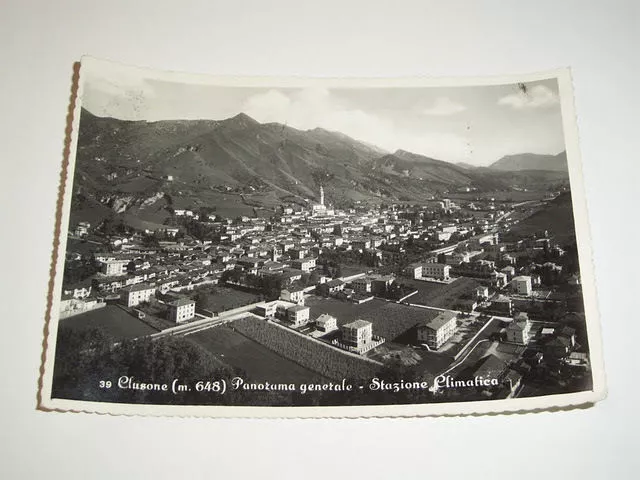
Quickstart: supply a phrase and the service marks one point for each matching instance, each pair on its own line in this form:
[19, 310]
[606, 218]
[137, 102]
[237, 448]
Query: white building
[136, 294]
[114, 267]
[298, 315]
[267, 310]
[522, 285]
[357, 334]
[304, 264]
[414, 270]
[293, 296]
[361, 285]
[182, 310]
[482, 292]
[438, 271]
[436, 332]
[326, 323]
[519, 330]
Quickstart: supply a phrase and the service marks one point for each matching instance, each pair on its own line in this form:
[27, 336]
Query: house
[499, 279]
[79, 290]
[578, 359]
[380, 283]
[519, 330]
[500, 305]
[513, 380]
[334, 286]
[482, 292]
[114, 267]
[326, 323]
[82, 229]
[521, 285]
[490, 368]
[357, 334]
[456, 258]
[562, 343]
[136, 294]
[361, 285]
[267, 310]
[304, 264]
[298, 253]
[436, 332]
[298, 315]
[291, 275]
[439, 271]
[293, 295]
[414, 270]
[182, 310]
[509, 271]
[248, 263]
[467, 304]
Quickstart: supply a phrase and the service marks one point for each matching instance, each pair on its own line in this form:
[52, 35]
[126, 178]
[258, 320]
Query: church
[320, 208]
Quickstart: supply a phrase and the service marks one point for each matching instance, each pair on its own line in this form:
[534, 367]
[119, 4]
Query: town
[453, 288]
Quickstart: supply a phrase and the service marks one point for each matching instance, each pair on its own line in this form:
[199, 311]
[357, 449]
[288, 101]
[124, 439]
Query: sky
[477, 125]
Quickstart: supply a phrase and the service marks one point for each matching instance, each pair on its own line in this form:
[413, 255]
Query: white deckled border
[517, 405]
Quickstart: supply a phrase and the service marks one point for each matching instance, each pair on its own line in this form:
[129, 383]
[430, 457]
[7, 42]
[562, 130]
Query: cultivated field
[112, 319]
[322, 358]
[556, 217]
[218, 299]
[440, 295]
[393, 321]
[514, 196]
[260, 364]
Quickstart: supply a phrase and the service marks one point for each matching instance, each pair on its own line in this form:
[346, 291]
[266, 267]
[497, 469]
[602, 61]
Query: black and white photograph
[337, 247]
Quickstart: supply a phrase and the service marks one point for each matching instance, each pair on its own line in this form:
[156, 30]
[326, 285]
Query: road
[199, 325]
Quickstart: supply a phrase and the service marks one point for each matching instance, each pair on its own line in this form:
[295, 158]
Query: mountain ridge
[532, 161]
[241, 165]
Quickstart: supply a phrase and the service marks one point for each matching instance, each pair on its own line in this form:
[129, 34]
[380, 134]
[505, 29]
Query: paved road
[199, 325]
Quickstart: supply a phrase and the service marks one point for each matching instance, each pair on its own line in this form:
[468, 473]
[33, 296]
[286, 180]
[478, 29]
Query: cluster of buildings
[287, 247]
[355, 337]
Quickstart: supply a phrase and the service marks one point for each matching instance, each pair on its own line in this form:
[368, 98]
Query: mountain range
[238, 164]
[532, 161]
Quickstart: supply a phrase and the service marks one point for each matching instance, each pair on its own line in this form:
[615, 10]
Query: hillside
[239, 166]
[532, 161]
[556, 218]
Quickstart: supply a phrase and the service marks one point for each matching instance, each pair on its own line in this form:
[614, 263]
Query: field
[390, 320]
[320, 357]
[440, 295]
[86, 248]
[499, 196]
[556, 217]
[219, 299]
[260, 363]
[112, 319]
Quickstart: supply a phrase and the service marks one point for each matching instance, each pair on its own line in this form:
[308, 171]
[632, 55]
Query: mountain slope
[532, 161]
[407, 164]
[242, 167]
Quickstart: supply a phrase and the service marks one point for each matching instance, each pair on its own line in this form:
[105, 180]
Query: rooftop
[138, 288]
[490, 367]
[442, 319]
[181, 302]
[325, 317]
[298, 308]
[357, 324]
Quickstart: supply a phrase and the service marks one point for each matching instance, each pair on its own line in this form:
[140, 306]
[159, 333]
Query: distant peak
[243, 119]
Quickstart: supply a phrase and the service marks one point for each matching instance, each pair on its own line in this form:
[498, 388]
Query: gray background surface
[39, 41]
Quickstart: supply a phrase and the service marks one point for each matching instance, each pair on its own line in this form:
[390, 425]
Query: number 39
[105, 384]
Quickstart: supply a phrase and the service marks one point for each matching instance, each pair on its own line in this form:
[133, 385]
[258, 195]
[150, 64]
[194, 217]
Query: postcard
[300, 247]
